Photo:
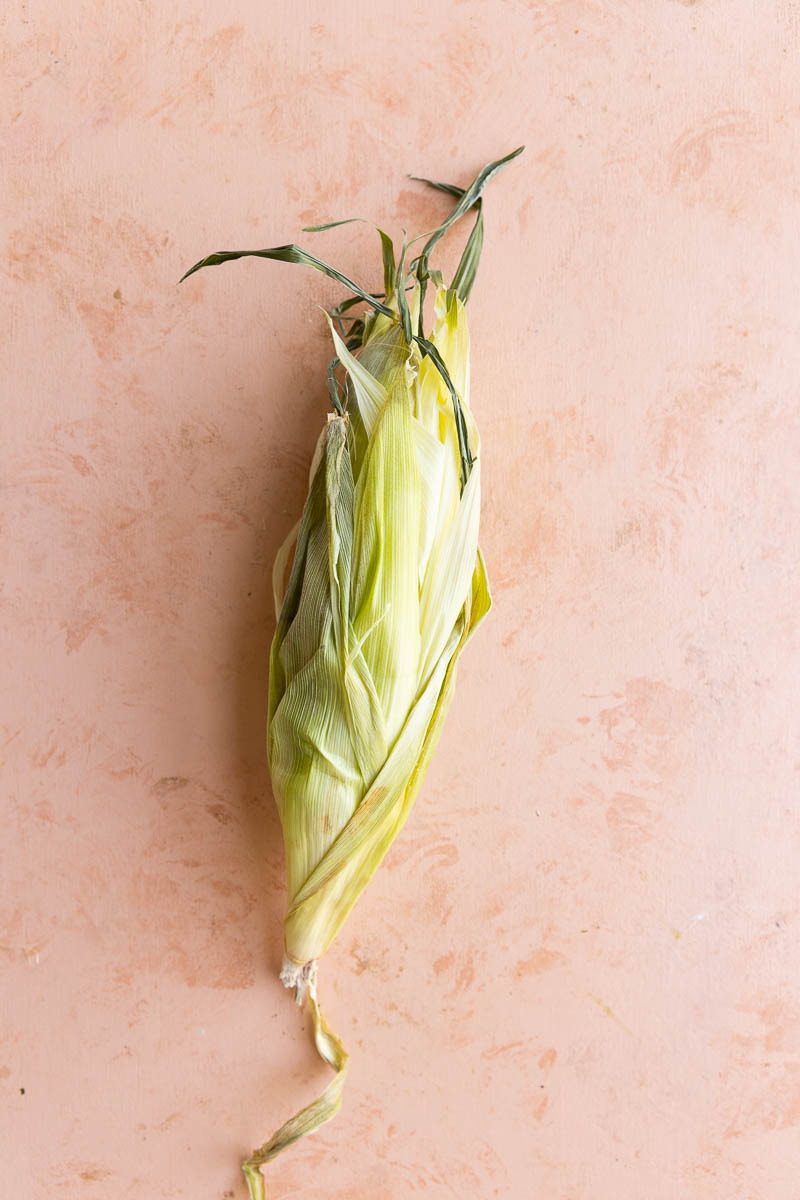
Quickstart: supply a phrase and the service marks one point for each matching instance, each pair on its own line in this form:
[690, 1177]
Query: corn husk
[387, 584]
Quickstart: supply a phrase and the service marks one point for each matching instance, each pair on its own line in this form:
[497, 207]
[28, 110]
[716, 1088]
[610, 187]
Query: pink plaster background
[576, 977]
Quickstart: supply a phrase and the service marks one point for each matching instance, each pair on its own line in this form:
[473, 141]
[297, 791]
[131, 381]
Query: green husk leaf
[452, 189]
[387, 248]
[333, 387]
[467, 199]
[330, 225]
[402, 302]
[464, 451]
[467, 268]
[370, 392]
[292, 254]
[389, 269]
[376, 822]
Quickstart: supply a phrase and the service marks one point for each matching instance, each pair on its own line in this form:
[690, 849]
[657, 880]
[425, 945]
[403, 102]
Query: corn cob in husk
[386, 586]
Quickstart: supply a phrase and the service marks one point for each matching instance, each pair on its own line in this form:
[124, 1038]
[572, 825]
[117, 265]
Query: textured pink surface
[575, 977]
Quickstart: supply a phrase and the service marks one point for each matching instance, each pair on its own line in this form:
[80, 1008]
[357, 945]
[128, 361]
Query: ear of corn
[386, 586]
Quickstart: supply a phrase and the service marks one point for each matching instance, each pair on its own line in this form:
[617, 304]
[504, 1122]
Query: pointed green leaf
[468, 198]
[292, 254]
[389, 269]
[330, 225]
[402, 302]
